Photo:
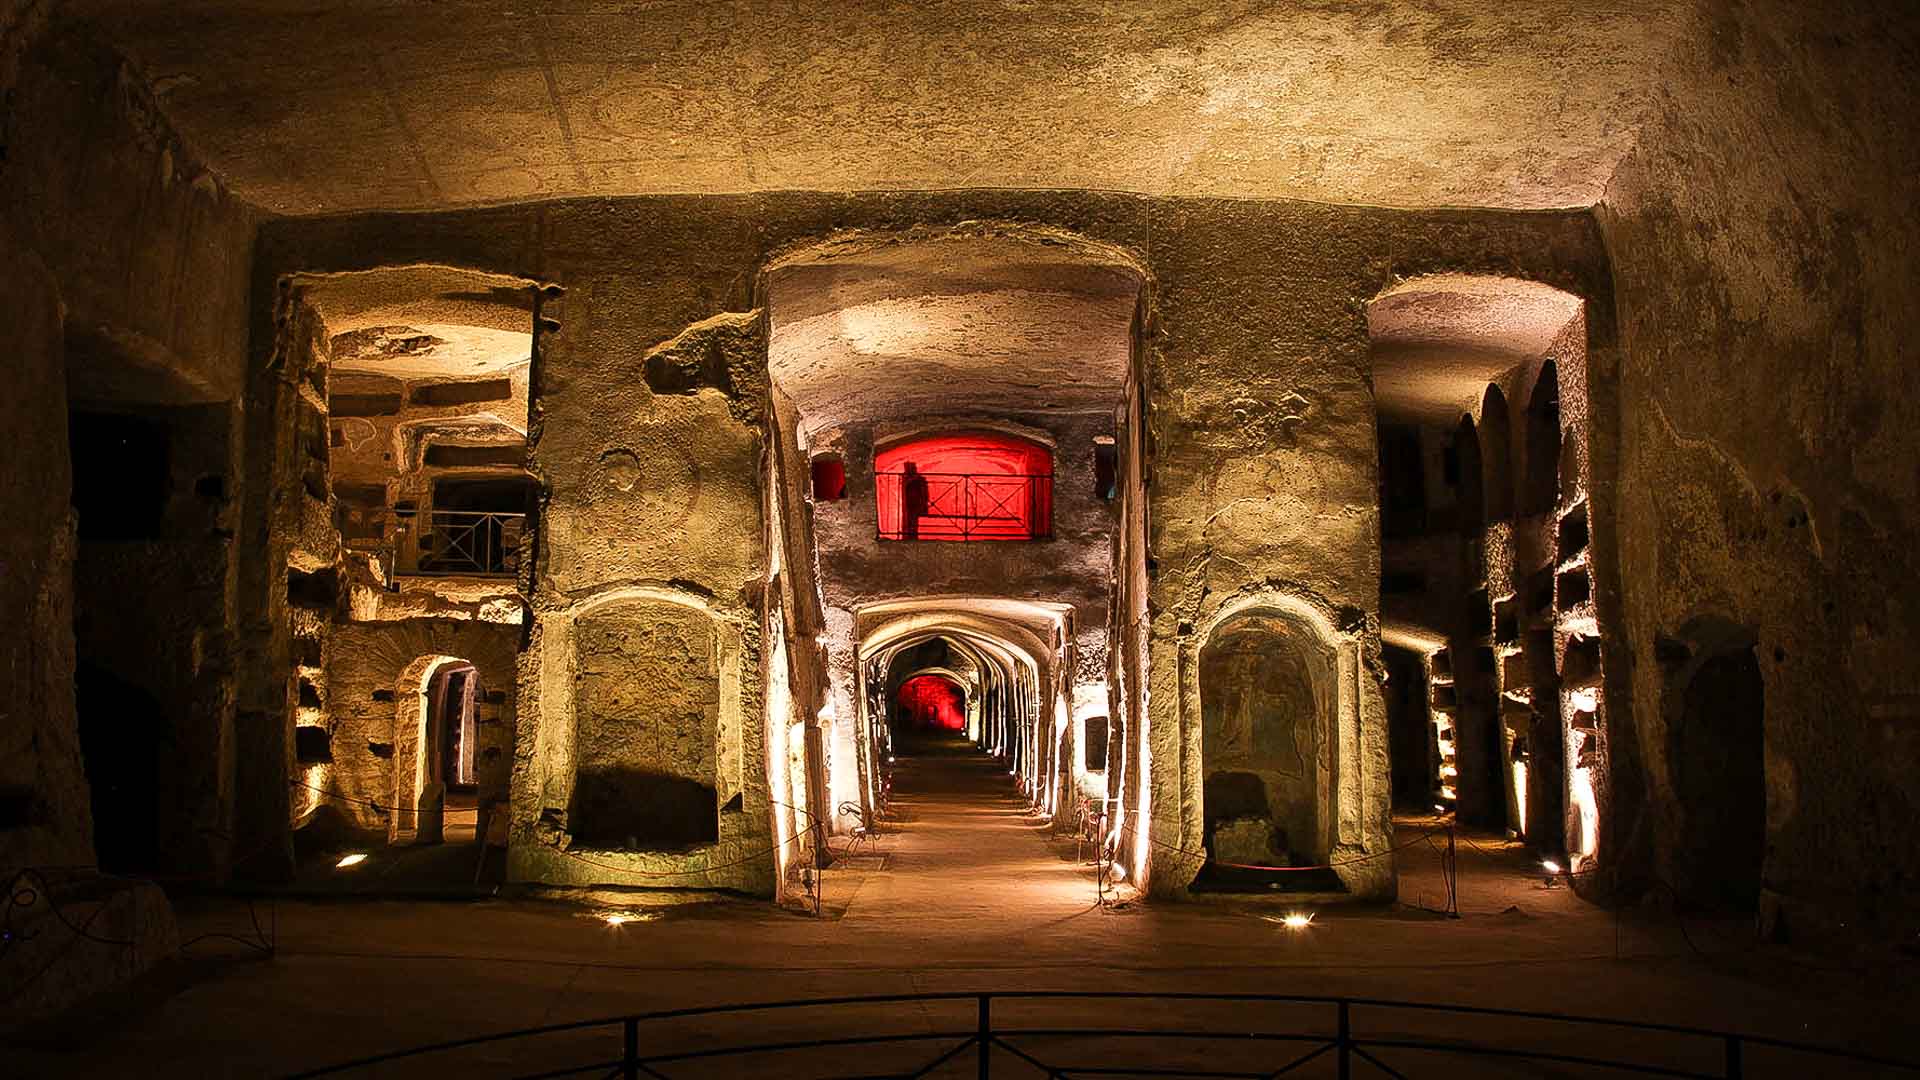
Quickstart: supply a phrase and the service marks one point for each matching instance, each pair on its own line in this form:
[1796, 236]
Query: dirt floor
[969, 893]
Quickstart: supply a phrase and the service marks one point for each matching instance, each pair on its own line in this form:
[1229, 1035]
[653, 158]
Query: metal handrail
[453, 543]
[984, 506]
[986, 1036]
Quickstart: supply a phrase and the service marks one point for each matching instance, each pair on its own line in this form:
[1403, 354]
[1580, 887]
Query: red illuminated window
[965, 486]
[933, 702]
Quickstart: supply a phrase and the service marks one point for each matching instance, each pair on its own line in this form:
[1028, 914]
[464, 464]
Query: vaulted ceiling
[312, 107]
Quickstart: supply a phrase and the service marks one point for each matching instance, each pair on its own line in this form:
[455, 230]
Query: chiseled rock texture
[1762, 234]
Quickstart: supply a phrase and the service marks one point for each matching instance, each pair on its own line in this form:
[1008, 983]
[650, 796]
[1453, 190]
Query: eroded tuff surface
[1455, 102]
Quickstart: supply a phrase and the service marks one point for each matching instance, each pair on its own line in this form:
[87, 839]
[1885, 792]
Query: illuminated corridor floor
[967, 857]
[973, 897]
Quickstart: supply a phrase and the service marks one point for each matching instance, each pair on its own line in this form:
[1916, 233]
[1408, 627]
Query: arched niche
[1496, 454]
[1541, 491]
[1266, 689]
[1716, 766]
[647, 692]
[1473, 502]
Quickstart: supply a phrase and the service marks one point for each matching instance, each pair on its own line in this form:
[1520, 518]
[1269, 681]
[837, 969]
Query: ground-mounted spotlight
[618, 918]
[1297, 920]
[1116, 873]
[1553, 870]
[355, 859]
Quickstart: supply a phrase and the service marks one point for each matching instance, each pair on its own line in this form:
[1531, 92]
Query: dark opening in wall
[1403, 488]
[1445, 696]
[466, 392]
[636, 809]
[1572, 539]
[1466, 446]
[120, 475]
[1411, 750]
[1575, 588]
[1402, 582]
[829, 478]
[318, 590]
[1539, 591]
[487, 495]
[1542, 489]
[121, 743]
[1506, 621]
[1496, 453]
[452, 456]
[1478, 618]
[1442, 664]
[1093, 756]
[1581, 667]
[312, 745]
[1717, 749]
[1106, 471]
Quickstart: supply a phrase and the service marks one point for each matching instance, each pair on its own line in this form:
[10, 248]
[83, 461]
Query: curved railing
[1045, 1034]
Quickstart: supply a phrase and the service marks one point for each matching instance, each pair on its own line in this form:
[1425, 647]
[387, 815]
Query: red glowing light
[933, 701]
[972, 486]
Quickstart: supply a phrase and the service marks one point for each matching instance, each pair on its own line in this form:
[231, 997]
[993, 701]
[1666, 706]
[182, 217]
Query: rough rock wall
[1763, 240]
[1263, 476]
[1260, 417]
[44, 815]
[112, 227]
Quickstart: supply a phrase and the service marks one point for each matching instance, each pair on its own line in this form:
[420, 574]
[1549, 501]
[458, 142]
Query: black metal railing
[964, 506]
[448, 543]
[1210, 1035]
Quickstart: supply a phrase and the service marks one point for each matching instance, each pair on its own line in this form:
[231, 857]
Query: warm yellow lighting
[1447, 792]
[1448, 770]
[1296, 920]
[1117, 873]
[1520, 792]
[1585, 700]
[1549, 866]
[354, 859]
[622, 918]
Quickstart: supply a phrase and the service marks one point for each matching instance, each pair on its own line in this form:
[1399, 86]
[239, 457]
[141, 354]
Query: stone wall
[1259, 454]
[374, 697]
[1763, 240]
[129, 266]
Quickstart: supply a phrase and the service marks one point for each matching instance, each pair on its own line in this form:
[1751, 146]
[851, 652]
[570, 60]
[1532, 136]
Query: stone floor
[971, 895]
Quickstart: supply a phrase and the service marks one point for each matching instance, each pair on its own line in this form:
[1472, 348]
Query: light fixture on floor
[354, 859]
[1553, 873]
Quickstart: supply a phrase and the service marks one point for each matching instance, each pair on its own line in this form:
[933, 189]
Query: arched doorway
[1541, 493]
[1716, 748]
[1496, 453]
[434, 775]
[1473, 509]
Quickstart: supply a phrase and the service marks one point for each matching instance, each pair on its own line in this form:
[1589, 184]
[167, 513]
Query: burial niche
[1262, 685]
[647, 714]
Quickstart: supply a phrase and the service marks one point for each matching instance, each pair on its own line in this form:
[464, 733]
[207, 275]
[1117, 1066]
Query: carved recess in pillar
[647, 715]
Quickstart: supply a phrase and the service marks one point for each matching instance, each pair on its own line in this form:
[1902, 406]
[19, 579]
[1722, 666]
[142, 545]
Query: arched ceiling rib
[1437, 341]
[361, 104]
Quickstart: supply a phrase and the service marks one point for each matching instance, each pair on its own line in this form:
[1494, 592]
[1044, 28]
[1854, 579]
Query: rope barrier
[1128, 828]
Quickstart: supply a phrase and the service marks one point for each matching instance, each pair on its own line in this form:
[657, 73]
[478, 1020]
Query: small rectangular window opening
[1106, 470]
[829, 478]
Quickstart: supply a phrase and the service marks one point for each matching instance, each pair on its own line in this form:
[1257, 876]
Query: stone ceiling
[1437, 341]
[947, 328]
[307, 107]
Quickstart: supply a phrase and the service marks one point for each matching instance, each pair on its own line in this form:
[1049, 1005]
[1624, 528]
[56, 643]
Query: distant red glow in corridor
[932, 701]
